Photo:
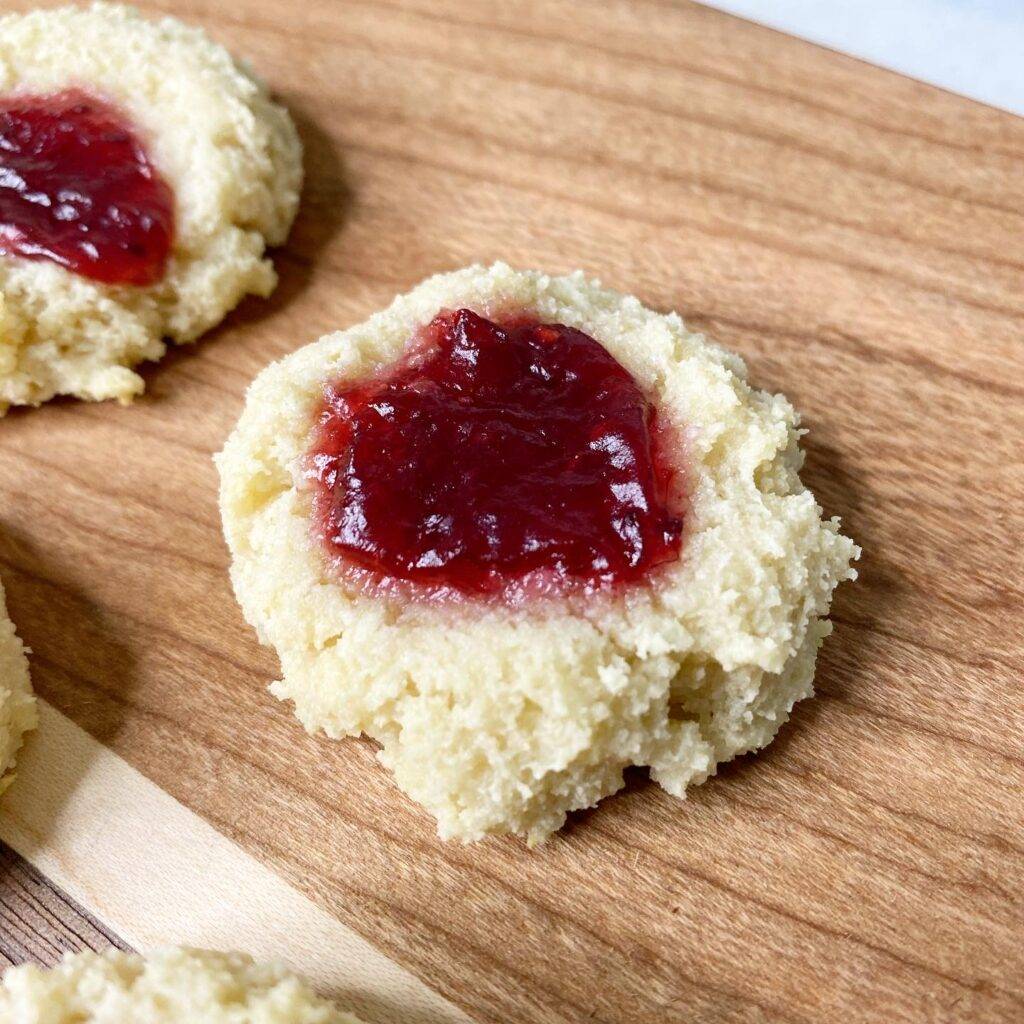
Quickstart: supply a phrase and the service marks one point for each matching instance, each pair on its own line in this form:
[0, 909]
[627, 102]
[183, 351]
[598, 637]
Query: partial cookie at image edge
[17, 703]
[232, 156]
[169, 986]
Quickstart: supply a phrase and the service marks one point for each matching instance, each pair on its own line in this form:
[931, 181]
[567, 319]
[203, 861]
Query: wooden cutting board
[859, 238]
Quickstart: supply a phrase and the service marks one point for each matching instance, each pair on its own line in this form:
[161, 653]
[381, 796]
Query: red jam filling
[78, 188]
[505, 460]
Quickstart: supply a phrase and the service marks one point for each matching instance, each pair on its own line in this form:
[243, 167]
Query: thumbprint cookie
[525, 533]
[143, 173]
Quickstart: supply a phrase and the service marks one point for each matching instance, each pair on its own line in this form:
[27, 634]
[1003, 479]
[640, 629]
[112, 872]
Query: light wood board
[159, 875]
[859, 238]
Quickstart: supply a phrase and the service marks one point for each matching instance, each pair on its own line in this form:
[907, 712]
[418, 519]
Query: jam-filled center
[78, 188]
[496, 460]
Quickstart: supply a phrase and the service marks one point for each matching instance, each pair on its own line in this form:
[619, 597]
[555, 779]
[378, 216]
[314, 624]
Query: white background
[974, 47]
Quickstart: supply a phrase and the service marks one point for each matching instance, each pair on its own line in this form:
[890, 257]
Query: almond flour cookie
[526, 533]
[143, 172]
[17, 704]
[173, 986]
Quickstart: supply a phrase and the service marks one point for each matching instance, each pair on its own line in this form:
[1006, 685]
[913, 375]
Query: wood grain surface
[38, 922]
[859, 238]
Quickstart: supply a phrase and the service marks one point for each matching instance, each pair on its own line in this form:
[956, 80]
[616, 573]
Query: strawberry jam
[78, 188]
[496, 459]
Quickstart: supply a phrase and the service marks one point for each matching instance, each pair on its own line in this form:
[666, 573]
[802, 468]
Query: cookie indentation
[496, 459]
[77, 187]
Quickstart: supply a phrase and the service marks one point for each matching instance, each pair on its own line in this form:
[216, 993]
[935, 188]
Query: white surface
[157, 874]
[973, 47]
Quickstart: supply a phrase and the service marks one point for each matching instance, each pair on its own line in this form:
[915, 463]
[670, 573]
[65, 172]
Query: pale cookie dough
[17, 703]
[231, 155]
[503, 720]
[173, 986]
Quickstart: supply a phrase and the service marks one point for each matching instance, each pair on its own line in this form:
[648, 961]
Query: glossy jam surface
[77, 188]
[506, 460]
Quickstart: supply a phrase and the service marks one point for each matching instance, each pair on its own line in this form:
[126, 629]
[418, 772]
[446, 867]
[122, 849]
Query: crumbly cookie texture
[502, 719]
[231, 155]
[17, 703]
[172, 986]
